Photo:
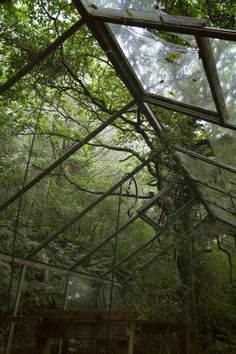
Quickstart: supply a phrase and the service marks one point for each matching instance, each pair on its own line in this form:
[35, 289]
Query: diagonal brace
[40, 57]
[65, 156]
[140, 211]
[90, 207]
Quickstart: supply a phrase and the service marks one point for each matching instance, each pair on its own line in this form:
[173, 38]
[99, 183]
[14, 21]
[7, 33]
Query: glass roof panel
[222, 215]
[205, 172]
[222, 141]
[200, 170]
[138, 5]
[225, 54]
[213, 183]
[217, 198]
[165, 69]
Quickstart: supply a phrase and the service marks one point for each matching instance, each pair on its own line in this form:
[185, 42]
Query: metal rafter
[89, 208]
[165, 22]
[139, 212]
[184, 108]
[65, 156]
[111, 48]
[222, 209]
[150, 261]
[208, 60]
[41, 56]
[109, 44]
[159, 232]
[22, 261]
[124, 260]
[193, 181]
[205, 159]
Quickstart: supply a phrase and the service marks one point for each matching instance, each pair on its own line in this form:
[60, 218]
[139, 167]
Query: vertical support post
[132, 326]
[64, 308]
[194, 307]
[16, 307]
[43, 346]
[184, 340]
[128, 347]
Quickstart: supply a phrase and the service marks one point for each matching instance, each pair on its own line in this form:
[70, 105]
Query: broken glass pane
[225, 54]
[164, 68]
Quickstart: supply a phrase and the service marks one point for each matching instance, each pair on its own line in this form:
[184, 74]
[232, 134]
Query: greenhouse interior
[118, 177]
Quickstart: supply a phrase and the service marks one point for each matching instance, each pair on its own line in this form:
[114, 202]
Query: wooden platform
[126, 334]
[96, 326]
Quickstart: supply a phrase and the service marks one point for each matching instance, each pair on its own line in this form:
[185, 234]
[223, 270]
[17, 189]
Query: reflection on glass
[171, 70]
[223, 142]
[225, 57]
[210, 175]
[139, 5]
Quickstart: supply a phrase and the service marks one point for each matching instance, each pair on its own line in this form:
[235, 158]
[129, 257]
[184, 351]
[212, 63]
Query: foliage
[56, 106]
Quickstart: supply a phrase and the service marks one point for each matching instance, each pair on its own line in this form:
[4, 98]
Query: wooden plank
[132, 327]
[159, 327]
[76, 317]
[184, 341]
[43, 346]
[87, 315]
[83, 331]
[16, 307]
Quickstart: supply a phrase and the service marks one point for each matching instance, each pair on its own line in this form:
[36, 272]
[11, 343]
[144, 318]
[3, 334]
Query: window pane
[223, 142]
[166, 69]
[225, 54]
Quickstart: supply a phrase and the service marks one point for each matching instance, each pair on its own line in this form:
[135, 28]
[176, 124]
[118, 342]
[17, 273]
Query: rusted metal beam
[208, 60]
[51, 268]
[86, 210]
[146, 244]
[181, 107]
[140, 211]
[41, 56]
[150, 261]
[205, 159]
[65, 156]
[153, 19]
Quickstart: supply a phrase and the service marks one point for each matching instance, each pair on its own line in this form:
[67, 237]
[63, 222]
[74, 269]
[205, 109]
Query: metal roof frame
[96, 22]
[97, 19]
[98, 25]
